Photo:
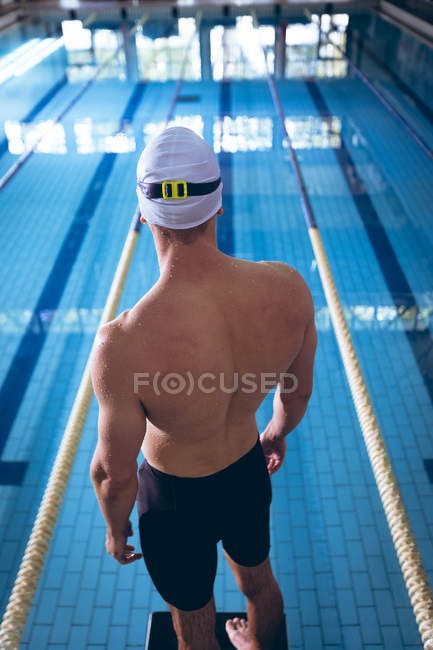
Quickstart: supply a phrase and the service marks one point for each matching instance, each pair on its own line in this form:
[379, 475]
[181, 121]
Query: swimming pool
[65, 217]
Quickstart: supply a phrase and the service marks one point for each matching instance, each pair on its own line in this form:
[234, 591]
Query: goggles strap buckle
[174, 190]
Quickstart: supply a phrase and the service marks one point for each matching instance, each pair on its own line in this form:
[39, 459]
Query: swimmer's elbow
[305, 394]
[112, 480]
[97, 473]
[97, 470]
[112, 474]
[297, 396]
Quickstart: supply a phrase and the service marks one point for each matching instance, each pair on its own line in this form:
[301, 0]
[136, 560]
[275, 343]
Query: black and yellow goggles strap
[177, 189]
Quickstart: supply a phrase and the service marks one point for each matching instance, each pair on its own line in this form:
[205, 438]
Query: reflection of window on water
[194, 122]
[360, 316]
[76, 37]
[331, 68]
[23, 137]
[90, 137]
[86, 50]
[242, 133]
[335, 27]
[308, 53]
[105, 44]
[161, 59]
[16, 321]
[314, 132]
[78, 46]
[104, 137]
[235, 51]
[378, 316]
[301, 49]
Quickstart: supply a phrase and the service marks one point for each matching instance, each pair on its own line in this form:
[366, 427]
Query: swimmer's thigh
[181, 558]
[246, 534]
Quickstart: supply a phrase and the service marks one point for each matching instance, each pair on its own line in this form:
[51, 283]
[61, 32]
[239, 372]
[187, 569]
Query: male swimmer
[181, 376]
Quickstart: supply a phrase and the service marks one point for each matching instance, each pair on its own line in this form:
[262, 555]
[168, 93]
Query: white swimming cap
[178, 154]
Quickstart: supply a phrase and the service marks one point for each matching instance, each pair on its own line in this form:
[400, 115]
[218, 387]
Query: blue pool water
[65, 216]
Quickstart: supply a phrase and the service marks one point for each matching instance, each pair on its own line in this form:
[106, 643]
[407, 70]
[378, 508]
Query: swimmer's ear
[142, 219]
[220, 212]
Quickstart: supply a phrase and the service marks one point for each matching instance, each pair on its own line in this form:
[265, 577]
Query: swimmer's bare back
[189, 365]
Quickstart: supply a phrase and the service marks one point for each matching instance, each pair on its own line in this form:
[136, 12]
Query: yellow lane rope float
[409, 557]
[414, 575]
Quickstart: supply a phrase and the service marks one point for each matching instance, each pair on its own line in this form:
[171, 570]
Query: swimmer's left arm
[121, 429]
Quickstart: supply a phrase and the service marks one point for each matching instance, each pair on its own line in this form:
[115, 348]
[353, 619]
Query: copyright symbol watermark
[172, 383]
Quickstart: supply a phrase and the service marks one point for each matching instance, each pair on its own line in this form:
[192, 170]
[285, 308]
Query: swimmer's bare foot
[239, 634]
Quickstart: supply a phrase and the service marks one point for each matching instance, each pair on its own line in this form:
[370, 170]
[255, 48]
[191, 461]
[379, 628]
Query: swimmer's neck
[178, 259]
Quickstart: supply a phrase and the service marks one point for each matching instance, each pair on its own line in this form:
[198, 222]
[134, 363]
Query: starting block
[161, 636]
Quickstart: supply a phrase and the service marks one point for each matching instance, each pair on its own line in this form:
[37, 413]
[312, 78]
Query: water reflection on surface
[232, 134]
[242, 133]
[91, 137]
[89, 51]
[194, 122]
[161, 59]
[312, 132]
[49, 138]
[368, 314]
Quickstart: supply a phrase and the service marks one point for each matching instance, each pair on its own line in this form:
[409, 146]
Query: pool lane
[402, 295]
[394, 177]
[38, 208]
[27, 355]
[386, 352]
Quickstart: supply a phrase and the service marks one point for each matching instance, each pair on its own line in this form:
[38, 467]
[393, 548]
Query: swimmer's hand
[274, 450]
[117, 547]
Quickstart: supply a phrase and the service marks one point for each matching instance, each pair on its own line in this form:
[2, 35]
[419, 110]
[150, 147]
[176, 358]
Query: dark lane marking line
[225, 237]
[26, 357]
[421, 342]
[428, 465]
[49, 95]
[188, 99]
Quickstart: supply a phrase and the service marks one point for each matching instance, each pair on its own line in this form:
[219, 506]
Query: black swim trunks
[182, 519]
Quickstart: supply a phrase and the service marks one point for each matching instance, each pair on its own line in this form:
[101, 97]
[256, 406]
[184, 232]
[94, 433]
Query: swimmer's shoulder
[285, 273]
[107, 360]
[111, 334]
[281, 268]
[292, 286]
